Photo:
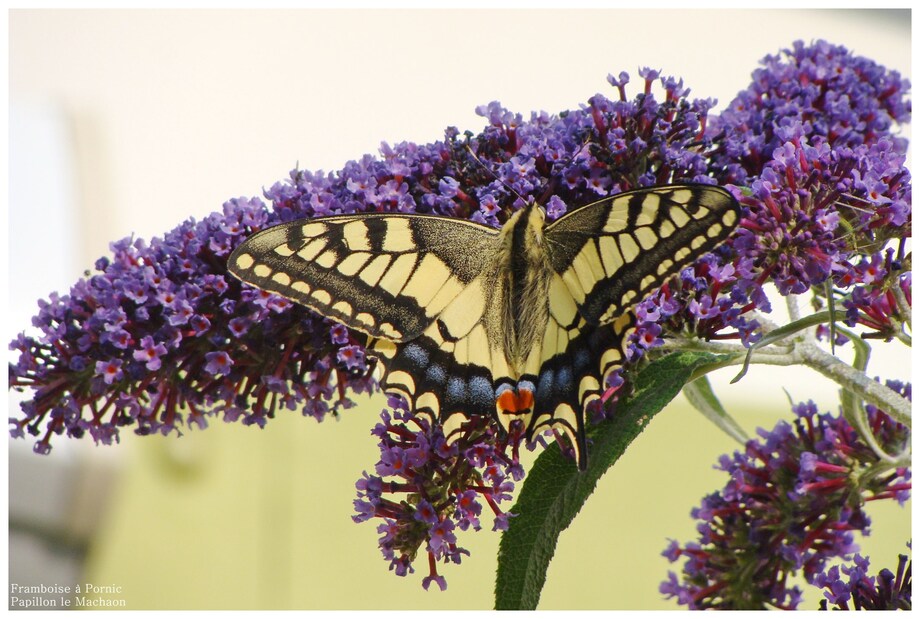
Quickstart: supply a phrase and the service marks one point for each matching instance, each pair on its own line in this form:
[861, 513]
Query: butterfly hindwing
[574, 374]
[448, 371]
[387, 275]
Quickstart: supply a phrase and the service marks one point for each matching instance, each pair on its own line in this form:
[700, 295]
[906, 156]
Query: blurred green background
[237, 518]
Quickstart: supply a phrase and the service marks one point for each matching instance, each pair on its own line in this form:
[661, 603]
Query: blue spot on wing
[416, 354]
[564, 378]
[581, 359]
[481, 392]
[435, 373]
[456, 389]
[545, 383]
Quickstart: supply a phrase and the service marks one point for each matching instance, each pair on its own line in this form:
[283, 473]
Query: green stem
[775, 355]
[797, 328]
[860, 347]
[831, 307]
[853, 409]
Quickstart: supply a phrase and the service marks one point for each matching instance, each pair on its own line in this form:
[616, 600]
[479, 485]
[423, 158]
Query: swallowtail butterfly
[522, 323]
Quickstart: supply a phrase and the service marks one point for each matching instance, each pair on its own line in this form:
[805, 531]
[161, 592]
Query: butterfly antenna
[553, 181]
[494, 175]
[551, 184]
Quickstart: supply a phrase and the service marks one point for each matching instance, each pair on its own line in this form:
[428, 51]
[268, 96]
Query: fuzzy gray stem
[903, 306]
[857, 382]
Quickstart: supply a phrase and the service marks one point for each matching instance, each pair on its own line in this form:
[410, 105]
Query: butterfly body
[524, 323]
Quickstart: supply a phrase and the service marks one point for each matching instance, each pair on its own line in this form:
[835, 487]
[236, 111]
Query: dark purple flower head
[851, 585]
[820, 92]
[814, 199]
[426, 488]
[793, 501]
[791, 228]
[112, 346]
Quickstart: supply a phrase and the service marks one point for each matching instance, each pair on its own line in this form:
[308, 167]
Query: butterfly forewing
[612, 253]
[384, 275]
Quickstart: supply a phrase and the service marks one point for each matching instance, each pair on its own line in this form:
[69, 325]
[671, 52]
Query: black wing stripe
[382, 274]
[640, 238]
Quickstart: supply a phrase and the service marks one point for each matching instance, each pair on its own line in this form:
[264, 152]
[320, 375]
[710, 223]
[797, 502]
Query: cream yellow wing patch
[449, 371]
[387, 275]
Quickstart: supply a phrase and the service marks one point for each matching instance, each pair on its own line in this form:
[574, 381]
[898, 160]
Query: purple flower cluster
[873, 302]
[793, 501]
[887, 591]
[811, 210]
[811, 151]
[821, 92]
[162, 337]
[425, 489]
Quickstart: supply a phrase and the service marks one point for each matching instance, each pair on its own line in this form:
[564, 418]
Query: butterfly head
[537, 213]
[525, 226]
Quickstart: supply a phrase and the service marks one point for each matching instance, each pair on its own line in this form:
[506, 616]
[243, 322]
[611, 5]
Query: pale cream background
[174, 112]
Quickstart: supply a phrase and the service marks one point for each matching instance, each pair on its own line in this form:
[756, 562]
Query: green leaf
[700, 394]
[555, 490]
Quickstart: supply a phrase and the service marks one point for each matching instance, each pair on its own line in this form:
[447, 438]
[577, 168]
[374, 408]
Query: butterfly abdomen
[525, 297]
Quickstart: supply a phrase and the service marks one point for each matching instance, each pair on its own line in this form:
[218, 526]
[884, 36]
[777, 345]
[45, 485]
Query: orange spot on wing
[506, 401]
[525, 400]
[513, 402]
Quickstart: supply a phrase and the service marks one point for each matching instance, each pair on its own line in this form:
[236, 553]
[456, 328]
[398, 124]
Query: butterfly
[524, 323]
